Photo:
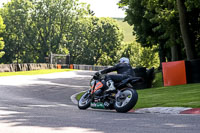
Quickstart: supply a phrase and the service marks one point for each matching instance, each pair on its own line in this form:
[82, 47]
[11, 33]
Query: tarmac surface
[161, 110]
[42, 104]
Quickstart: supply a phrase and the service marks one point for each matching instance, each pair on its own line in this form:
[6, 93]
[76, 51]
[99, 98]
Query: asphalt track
[42, 104]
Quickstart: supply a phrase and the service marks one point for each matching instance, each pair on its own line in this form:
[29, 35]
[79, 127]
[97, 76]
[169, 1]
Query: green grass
[158, 80]
[79, 95]
[173, 96]
[127, 31]
[45, 71]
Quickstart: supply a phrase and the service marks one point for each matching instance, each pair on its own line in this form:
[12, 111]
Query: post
[51, 58]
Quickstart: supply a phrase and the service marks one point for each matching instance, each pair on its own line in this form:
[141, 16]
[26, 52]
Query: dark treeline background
[35, 28]
[165, 30]
[173, 25]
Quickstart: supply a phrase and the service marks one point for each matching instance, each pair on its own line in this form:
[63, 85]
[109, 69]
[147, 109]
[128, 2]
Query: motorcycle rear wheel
[84, 101]
[126, 100]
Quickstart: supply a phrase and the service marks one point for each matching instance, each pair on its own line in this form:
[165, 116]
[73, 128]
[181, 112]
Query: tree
[173, 24]
[189, 46]
[53, 19]
[38, 27]
[142, 15]
[15, 15]
[193, 19]
[140, 56]
[2, 30]
[165, 16]
[96, 41]
[108, 38]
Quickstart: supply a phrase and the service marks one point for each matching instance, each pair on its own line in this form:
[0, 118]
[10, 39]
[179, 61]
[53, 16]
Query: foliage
[2, 29]
[37, 27]
[193, 11]
[15, 15]
[140, 56]
[192, 4]
[127, 30]
[157, 22]
[96, 42]
[53, 21]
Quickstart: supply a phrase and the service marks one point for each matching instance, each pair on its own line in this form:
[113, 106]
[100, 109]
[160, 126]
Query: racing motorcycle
[122, 99]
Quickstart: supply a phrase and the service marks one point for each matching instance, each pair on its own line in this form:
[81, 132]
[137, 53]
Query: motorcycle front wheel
[85, 101]
[126, 100]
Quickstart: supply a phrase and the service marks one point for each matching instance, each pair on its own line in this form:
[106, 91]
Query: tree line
[173, 25]
[31, 30]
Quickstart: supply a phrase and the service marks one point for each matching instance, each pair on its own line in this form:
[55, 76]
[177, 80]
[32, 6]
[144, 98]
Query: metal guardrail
[89, 67]
[26, 67]
[38, 66]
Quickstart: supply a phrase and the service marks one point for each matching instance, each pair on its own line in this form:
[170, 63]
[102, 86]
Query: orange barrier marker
[174, 73]
[71, 66]
[58, 66]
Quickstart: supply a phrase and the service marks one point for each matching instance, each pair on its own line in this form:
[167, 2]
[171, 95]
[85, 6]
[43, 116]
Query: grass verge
[158, 80]
[35, 72]
[79, 95]
[173, 96]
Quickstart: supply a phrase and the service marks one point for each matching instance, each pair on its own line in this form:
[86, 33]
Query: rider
[124, 71]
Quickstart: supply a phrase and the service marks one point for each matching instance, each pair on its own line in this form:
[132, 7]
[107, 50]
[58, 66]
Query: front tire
[84, 101]
[126, 100]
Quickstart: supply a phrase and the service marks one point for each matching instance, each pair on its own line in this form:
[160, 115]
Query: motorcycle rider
[124, 71]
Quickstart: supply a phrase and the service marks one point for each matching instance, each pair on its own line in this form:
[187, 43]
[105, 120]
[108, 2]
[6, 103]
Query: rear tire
[84, 101]
[126, 101]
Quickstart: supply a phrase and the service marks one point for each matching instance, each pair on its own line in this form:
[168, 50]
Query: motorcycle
[122, 99]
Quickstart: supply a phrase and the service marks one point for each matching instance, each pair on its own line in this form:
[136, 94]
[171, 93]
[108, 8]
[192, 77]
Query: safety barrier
[38, 66]
[89, 67]
[181, 72]
[59, 66]
[25, 67]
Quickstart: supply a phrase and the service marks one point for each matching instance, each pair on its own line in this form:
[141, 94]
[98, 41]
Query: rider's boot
[110, 85]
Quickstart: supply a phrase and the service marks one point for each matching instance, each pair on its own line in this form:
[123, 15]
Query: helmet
[124, 60]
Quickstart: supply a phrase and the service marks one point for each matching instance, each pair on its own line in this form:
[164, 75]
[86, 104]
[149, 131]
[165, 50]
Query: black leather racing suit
[124, 71]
